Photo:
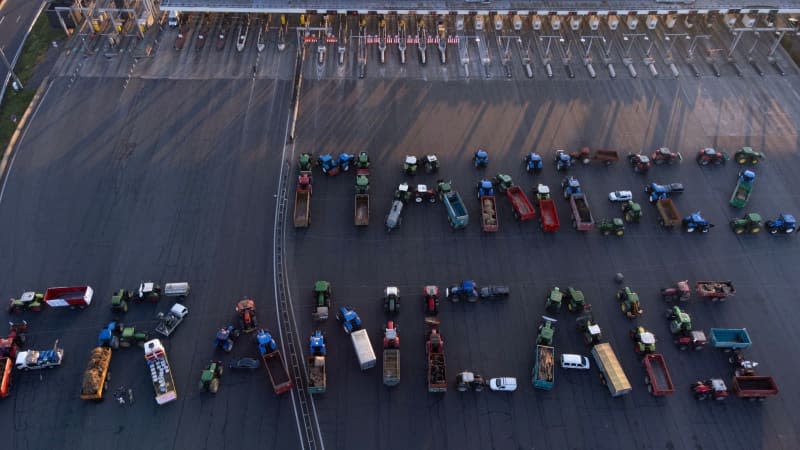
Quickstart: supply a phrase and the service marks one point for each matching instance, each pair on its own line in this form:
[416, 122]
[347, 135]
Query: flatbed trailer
[317, 378]
[276, 371]
[361, 212]
[754, 387]
[523, 209]
[658, 380]
[729, 339]
[716, 290]
[391, 366]
[582, 219]
[548, 216]
[668, 213]
[489, 213]
[607, 157]
[95, 377]
[160, 372]
[69, 296]
[544, 367]
[611, 371]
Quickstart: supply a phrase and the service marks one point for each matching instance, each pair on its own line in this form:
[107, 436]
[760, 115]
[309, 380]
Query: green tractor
[322, 301]
[28, 301]
[129, 336]
[148, 291]
[750, 223]
[575, 300]
[362, 183]
[631, 211]
[553, 301]
[502, 181]
[609, 226]
[679, 321]
[643, 341]
[589, 329]
[209, 378]
[546, 331]
[304, 161]
[748, 156]
[629, 303]
[119, 301]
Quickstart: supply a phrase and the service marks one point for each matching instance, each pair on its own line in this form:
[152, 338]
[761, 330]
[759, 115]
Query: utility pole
[10, 69]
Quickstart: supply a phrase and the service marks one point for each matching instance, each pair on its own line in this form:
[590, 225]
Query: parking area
[171, 172]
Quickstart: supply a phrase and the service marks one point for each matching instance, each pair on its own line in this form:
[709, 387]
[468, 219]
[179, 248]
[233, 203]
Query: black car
[244, 363]
[675, 188]
[493, 292]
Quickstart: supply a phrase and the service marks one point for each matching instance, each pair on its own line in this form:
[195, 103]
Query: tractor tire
[606, 232]
[620, 232]
[718, 162]
[702, 161]
[683, 347]
[213, 387]
[125, 307]
[690, 229]
[754, 161]
[114, 343]
[741, 160]
[755, 230]
[125, 344]
[773, 230]
[705, 230]
[738, 230]
[220, 371]
[650, 388]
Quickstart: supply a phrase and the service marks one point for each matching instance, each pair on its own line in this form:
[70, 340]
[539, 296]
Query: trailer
[391, 366]
[716, 290]
[523, 209]
[361, 214]
[167, 323]
[457, 214]
[729, 339]
[363, 349]
[611, 372]
[160, 372]
[658, 380]
[40, 359]
[489, 222]
[607, 157]
[276, 371]
[71, 296]
[543, 367]
[581, 214]
[96, 376]
[6, 375]
[437, 367]
[317, 378]
[179, 289]
[668, 213]
[754, 387]
[302, 200]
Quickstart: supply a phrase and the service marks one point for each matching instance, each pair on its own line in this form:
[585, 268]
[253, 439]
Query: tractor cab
[410, 165]
[316, 344]
[266, 344]
[431, 163]
[481, 158]
[363, 160]
[391, 339]
[485, 188]
[542, 192]
[431, 299]
[503, 182]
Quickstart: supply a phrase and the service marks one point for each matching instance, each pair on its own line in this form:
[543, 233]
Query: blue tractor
[696, 221]
[345, 159]
[563, 160]
[328, 164]
[485, 188]
[784, 223]
[467, 291]
[316, 344]
[481, 159]
[533, 163]
[349, 318]
[657, 192]
[266, 344]
[571, 186]
[224, 338]
[109, 335]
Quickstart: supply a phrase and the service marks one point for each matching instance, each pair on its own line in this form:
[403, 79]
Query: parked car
[244, 363]
[620, 196]
[675, 188]
[570, 361]
[507, 384]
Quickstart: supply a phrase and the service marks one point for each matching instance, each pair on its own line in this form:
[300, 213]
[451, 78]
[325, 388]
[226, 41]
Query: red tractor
[639, 162]
[9, 345]
[714, 388]
[679, 292]
[247, 315]
[709, 155]
[665, 155]
[431, 300]
[391, 339]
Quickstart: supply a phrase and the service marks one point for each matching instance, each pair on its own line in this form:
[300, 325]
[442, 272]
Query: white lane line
[2, 19]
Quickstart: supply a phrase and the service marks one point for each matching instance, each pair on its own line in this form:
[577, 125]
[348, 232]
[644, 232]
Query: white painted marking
[2, 19]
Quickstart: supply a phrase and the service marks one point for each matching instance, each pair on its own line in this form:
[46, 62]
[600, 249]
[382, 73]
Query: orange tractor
[247, 315]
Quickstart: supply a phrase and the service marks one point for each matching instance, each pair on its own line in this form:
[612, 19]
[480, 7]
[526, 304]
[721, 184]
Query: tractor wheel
[620, 232]
[647, 379]
[606, 232]
[516, 215]
[773, 231]
[220, 371]
[738, 230]
[755, 230]
[705, 230]
[703, 161]
[622, 307]
[718, 162]
[754, 161]
[649, 388]
[125, 307]
[683, 347]
[741, 160]
[690, 229]
[213, 387]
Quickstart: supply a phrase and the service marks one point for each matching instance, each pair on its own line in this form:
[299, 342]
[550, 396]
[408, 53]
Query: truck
[96, 376]
[717, 291]
[658, 380]
[434, 348]
[457, 214]
[548, 218]
[743, 189]
[729, 339]
[317, 378]
[523, 209]
[754, 387]
[543, 367]
[581, 215]
[5, 375]
[71, 296]
[361, 215]
[40, 359]
[489, 222]
[363, 348]
[668, 213]
[611, 372]
[160, 372]
[302, 200]
[167, 323]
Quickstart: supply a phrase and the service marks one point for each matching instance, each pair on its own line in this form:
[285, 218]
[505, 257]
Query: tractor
[713, 388]
[403, 193]
[631, 211]
[431, 294]
[575, 300]
[542, 192]
[362, 181]
[629, 303]
[609, 226]
[784, 223]
[328, 164]
[119, 301]
[209, 377]
[304, 161]
[589, 329]
[391, 299]
[248, 322]
[316, 344]
[116, 335]
[563, 161]
[680, 326]
[9, 345]
[424, 193]
[644, 342]
[391, 339]
[485, 188]
[431, 163]
[224, 338]
[467, 291]
[533, 163]
[679, 321]
[695, 221]
[28, 301]
[322, 300]
[469, 381]
[750, 223]
[349, 318]
[266, 344]
[679, 292]
[742, 367]
[546, 331]
[481, 159]
[345, 159]
[434, 343]
[410, 165]
[746, 155]
[148, 291]
[553, 301]
[709, 155]
[502, 182]
[362, 162]
[665, 155]
[639, 162]
[570, 185]
[656, 192]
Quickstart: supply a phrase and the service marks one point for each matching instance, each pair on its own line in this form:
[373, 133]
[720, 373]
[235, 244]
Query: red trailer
[716, 290]
[658, 381]
[5, 376]
[754, 387]
[523, 209]
[72, 296]
[549, 216]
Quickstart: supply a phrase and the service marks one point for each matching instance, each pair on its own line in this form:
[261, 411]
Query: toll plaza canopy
[561, 7]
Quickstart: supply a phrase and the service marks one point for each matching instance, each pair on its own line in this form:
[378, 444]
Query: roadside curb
[9, 150]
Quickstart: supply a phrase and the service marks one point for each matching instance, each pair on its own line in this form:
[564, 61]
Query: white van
[174, 17]
[569, 361]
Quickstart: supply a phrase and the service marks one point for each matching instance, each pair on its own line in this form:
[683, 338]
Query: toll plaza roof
[480, 6]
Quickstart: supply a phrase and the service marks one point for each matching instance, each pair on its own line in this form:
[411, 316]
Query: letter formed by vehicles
[71, 296]
[612, 374]
[160, 372]
[543, 372]
[96, 376]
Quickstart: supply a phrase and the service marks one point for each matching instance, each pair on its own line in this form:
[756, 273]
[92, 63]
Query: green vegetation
[15, 103]
[792, 47]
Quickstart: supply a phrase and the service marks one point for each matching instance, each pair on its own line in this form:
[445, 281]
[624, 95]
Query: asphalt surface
[170, 177]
